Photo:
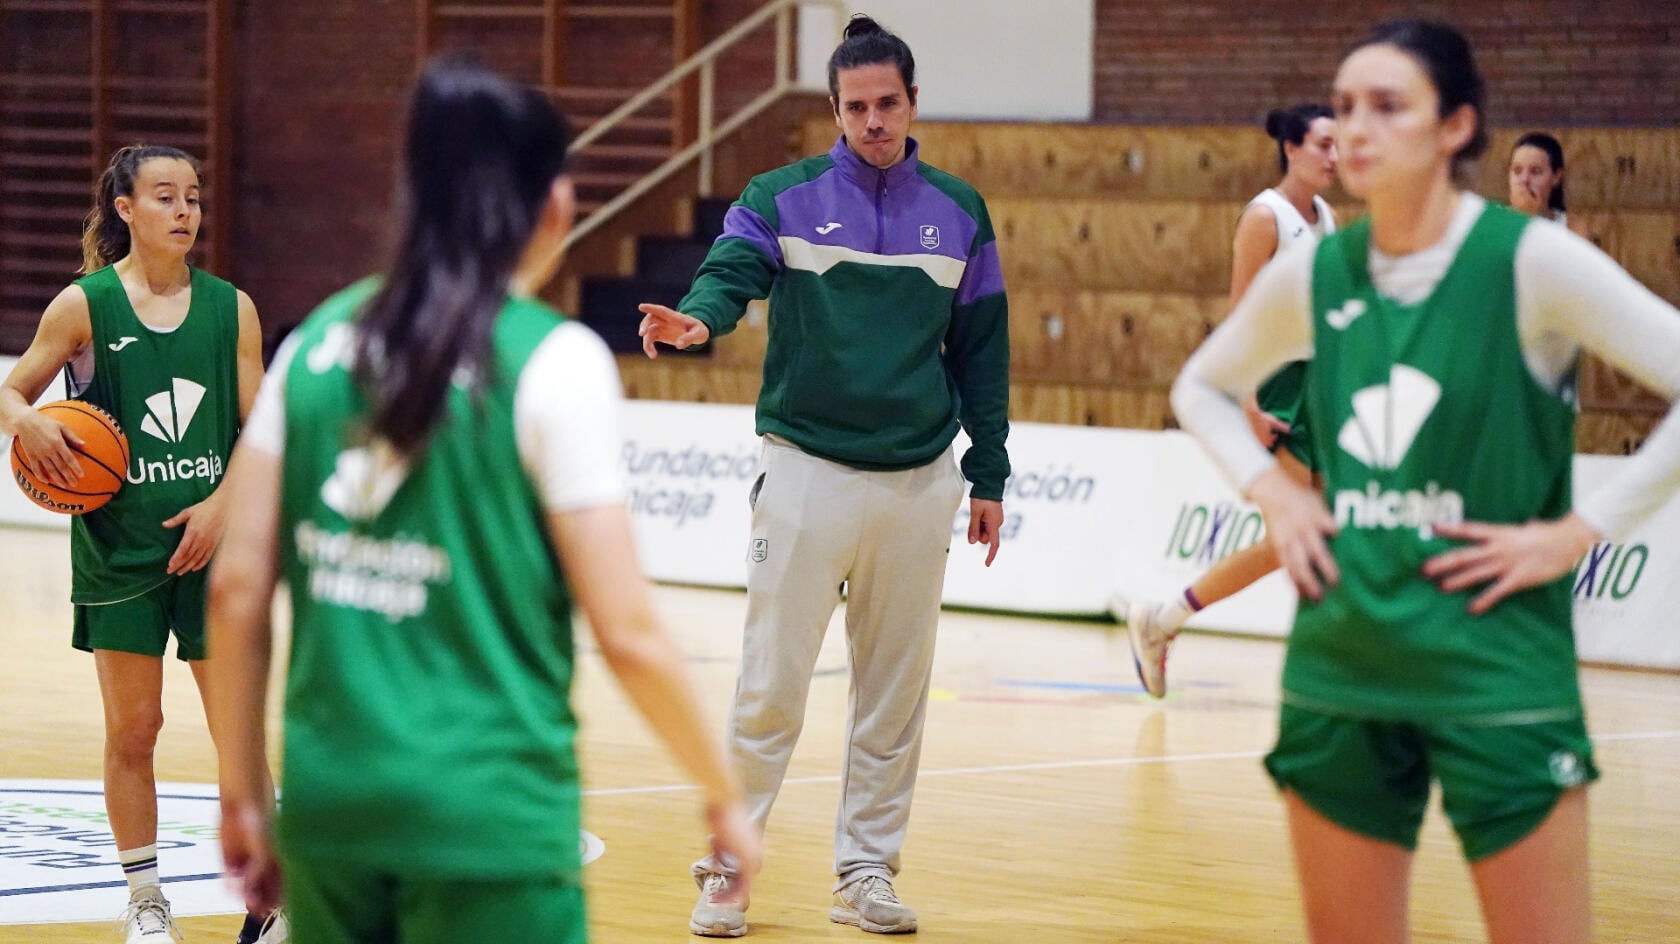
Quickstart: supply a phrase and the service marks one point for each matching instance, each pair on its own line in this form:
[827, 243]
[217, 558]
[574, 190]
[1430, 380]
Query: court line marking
[1603, 692]
[1062, 765]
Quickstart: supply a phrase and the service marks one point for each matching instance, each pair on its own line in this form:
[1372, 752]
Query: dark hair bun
[1277, 123]
[861, 25]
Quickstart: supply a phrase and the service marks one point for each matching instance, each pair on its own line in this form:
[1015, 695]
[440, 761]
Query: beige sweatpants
[886, 535]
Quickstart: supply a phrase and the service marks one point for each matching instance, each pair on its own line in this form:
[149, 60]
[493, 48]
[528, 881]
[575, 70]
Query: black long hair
[866, 43]
[481, 155]
[1290, 126]
[105, 237]
[1554, 154]
[1447, 59]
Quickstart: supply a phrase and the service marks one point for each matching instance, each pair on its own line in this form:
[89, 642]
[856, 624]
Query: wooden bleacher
[1116, 247]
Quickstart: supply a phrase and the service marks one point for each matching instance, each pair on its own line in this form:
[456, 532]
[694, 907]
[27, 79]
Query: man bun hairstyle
[867, 43]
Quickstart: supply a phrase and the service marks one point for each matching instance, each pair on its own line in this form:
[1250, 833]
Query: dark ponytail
[105, 237]
[1446, 58]
[1554, 154]
[1290, 126]
[481, 155]
[866, 43]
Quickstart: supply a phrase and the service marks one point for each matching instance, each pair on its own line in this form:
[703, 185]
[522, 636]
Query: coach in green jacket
[888, 331]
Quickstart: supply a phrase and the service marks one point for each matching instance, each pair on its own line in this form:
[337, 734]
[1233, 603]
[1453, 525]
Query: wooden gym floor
[1055, 803]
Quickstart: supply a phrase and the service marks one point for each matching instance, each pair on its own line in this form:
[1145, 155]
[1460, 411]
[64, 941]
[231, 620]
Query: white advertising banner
[1627, 592]
[1182, 520]
[1090, 513]
[1065, 509]
[15, 509]
[689, 468]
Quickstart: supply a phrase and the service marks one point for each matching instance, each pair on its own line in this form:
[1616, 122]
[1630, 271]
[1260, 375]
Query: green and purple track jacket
[889, 326]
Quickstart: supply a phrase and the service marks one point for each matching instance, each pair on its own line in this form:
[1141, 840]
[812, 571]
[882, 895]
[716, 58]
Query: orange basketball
[103, 456]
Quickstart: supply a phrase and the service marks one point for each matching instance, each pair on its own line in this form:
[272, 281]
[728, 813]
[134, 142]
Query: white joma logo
[827, 228]
[122, 342]
[169, 413]
[1340, 318]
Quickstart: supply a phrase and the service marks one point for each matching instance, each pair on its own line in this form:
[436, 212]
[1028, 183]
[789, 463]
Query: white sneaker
[721, 910]
[147, 919]
[1150, 642]
[276, 930]
[871, 904]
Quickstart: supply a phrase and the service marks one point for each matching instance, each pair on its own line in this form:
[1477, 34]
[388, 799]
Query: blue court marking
[161, 796]
[49, 889]
[84, 886]
[1102, 687]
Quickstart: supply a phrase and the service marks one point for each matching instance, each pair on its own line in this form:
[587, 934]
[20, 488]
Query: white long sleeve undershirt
[1570, 297]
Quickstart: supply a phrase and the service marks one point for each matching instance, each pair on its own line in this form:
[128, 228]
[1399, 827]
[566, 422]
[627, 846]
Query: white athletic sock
[1173, 614]
[140, 867]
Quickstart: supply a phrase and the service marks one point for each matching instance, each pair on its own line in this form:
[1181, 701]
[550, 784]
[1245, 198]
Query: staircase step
[602, 11]
[591, 170]
[657, 134]
[628, 152]
[669, 258]
[478, 11]
[608, 307]
[708, 217]
[597, 93]
[593, 181]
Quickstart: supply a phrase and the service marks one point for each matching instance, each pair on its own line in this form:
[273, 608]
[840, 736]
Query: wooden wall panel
[1165, 246]
[1603, 167]
[1121, 339]
[1611, 433]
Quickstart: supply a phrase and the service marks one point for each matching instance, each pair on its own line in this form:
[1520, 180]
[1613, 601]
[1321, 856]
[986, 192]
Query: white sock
[140, 866]
[1173, 614]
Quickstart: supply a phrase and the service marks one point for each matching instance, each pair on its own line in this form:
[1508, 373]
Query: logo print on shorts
[930, 237]
[1567, 769]
[760, 550]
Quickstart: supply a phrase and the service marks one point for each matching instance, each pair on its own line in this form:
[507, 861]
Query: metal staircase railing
[709, 129]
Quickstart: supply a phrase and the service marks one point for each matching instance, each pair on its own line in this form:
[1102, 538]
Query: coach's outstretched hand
[669, 326]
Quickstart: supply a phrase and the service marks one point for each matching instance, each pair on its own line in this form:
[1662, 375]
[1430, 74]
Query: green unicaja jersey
[176, 396]
[428, 727]
[1425, 414]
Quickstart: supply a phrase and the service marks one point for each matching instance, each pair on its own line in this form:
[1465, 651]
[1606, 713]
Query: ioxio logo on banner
[1210, 533]
[1610, 569]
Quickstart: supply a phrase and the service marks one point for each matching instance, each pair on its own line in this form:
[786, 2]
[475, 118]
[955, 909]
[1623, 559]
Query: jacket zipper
[880, 219]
